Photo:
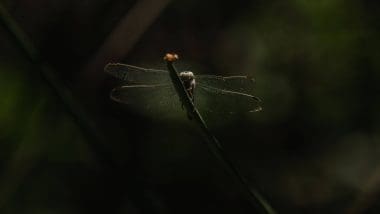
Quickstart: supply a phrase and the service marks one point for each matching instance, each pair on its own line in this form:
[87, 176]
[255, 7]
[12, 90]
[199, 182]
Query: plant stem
[256, 199]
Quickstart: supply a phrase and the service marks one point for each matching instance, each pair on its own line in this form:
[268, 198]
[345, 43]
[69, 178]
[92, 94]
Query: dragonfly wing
[218, 100]
[244, 84]
[147, 98]
[134, 74]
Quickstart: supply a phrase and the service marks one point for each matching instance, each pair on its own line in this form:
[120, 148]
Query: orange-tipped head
[171, 57]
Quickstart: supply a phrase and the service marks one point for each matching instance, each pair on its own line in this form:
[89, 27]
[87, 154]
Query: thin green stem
[256, 199]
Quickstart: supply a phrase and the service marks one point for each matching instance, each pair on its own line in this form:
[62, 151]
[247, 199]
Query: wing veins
[224, 91]
[131, 73]
[222, 78]
[133, 86]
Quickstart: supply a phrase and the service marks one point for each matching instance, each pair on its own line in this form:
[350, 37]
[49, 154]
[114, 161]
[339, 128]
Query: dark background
[67, 148]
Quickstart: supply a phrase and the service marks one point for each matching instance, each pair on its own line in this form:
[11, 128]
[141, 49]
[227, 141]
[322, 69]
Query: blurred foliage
[313, 149]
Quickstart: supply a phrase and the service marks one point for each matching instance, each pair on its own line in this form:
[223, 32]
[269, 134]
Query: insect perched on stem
[226, 90]
[153, 88]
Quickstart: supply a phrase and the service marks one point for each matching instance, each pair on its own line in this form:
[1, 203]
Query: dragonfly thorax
[188, 79]
[186, 75]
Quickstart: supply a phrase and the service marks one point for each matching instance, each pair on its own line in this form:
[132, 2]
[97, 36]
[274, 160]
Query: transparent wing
[147, 98]
[211, 99]
[243, 84]
[134, 74]
[152, 90]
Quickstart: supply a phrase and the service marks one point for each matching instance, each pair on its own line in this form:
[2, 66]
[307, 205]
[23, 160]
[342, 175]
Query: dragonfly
[153, 89]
